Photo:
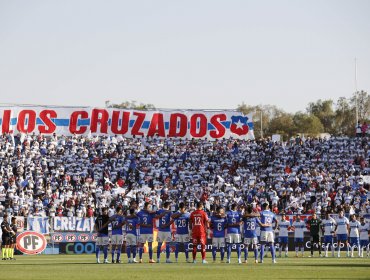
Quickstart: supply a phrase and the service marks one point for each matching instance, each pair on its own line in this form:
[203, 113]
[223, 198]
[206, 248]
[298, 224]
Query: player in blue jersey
[218, 225]
[101, 227]
[181, 219]
[164, 231]
[250, 233]
[146, 216]
[131, 221]
[267, 232]
[233, 231]
[117, 221]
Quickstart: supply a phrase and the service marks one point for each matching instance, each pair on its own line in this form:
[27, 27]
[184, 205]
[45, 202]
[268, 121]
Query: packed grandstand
[78, 175]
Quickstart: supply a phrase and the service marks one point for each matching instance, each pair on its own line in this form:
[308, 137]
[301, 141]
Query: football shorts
[250, 240]
[283, 239]
[267, 236]
[182, 238]
[233, 238]
[315, 239]
[13, 239]
[218, 242]
[117, 239]
[342, 237]
[5, 240]
[102, 241]
[354, 241]
[164, 236]
[131, 239]
[298, 240]
[364, 242]
[199, 240]
[328, 239]
[146, 237]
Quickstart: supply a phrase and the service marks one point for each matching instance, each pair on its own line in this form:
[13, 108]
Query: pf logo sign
[83, 237]
[31, 242]
[70, 237]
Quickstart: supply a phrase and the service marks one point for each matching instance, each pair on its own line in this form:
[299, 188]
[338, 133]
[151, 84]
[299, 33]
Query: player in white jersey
[354, 235]
[283, 235]
[364, 237]
[299, 227]
[341, 230]
[328, 226]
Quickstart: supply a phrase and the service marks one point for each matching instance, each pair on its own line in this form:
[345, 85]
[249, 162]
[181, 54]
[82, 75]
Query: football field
[79, 267]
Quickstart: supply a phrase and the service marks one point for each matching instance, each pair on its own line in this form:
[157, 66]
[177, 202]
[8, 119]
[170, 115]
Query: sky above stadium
[183, 54]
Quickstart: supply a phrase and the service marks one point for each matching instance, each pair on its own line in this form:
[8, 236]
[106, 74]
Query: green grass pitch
[70, 267]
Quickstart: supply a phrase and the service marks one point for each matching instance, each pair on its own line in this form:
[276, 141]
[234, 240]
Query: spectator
[77, 176]
[364, 128]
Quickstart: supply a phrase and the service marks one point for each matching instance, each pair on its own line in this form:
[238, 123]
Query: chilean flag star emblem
[239, 125]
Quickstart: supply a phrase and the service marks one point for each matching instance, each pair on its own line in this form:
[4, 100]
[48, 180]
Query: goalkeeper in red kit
[198, 226]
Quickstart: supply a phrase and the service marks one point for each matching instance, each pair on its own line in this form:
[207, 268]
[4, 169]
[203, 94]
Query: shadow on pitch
[331, 265]
[43, 264]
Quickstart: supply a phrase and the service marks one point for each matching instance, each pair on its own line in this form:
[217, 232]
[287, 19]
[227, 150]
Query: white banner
[129, 123]
[73, 224]
[38, 224]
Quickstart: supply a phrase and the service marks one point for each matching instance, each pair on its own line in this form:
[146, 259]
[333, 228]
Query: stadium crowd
[79, 175]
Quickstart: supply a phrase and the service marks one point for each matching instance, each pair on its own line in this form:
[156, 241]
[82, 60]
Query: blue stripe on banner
[110, 122]
[58, 122]
[146, 124]
[39, 121]
[132, 123]
[251, 125]
[166, 125]
[1, 121]
[61, 122]
[226, 124]
[83, 122]
[210, 126]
